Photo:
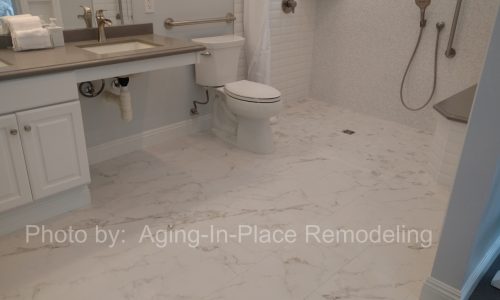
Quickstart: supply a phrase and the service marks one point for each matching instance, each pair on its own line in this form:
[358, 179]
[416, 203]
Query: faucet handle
[102, 18]
[99, 14]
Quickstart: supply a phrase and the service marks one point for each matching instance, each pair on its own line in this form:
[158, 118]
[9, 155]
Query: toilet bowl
[253, 104]
[242, 109]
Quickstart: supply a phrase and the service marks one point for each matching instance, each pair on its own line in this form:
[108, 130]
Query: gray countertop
[73, 57]
[458, 107]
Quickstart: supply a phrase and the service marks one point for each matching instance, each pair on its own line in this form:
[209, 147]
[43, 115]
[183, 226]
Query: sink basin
[117, 47]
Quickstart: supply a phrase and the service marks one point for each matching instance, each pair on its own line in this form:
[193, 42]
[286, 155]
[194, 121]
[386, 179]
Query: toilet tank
[218, 65]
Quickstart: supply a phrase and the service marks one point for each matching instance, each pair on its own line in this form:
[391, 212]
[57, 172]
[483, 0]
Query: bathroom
[174, 201]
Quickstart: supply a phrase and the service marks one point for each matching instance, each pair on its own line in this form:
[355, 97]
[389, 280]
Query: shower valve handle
[289, 6]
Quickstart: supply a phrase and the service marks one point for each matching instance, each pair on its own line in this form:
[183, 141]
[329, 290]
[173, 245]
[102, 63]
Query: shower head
[423, 4]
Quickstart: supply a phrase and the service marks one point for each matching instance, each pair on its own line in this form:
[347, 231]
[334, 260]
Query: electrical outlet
[149, 6]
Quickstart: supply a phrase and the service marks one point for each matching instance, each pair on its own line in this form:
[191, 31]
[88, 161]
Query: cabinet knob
[13, 132]
[27, 128]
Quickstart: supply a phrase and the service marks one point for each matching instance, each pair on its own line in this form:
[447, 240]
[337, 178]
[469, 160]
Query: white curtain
[257, 30]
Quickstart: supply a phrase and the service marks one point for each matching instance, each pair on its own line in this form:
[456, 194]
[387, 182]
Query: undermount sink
[117, 47]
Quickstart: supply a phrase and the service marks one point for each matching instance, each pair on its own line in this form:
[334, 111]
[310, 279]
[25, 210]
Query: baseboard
[436, 290]
[137, 142]
[481, 269]
[42, 210]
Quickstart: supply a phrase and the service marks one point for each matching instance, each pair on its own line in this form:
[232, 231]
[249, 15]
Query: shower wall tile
[292, 38]
[362, 48]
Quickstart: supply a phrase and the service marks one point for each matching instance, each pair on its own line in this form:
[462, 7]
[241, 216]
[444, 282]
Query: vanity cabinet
[46, 145]
[14, 185]
[54, 148]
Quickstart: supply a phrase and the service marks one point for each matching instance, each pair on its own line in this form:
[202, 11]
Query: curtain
[6, 8]
[257, 30]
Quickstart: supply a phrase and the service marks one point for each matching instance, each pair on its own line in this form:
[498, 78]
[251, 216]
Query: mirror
[69, 13]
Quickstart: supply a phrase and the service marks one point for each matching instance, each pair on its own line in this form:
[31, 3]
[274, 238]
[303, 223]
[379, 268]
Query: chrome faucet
[101, 23]
[87, 16]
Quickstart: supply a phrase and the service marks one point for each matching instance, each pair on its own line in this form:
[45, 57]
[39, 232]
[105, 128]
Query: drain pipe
[121, 97]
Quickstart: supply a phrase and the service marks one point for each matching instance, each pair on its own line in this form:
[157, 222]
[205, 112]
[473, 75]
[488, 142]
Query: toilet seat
[250, 91]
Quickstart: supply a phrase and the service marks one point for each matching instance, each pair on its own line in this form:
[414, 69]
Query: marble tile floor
[318, 176]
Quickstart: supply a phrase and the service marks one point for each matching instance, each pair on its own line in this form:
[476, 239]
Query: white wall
[472, 222]
[292, 38]
[186, 10]
[363, 46]
[489, 231]
[163, 97]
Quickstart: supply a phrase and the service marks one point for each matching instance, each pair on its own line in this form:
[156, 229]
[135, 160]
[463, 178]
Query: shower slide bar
[450, 51]
[229, 18]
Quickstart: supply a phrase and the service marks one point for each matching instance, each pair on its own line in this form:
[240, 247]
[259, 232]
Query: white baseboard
[436, 290]
[137, 142]
[481, 269]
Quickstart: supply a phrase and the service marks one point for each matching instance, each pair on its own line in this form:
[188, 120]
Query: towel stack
[27, 32]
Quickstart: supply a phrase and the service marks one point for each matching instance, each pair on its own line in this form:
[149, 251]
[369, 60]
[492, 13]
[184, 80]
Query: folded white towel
[3, 21]
[38, 38]
[27, 32]
[23, 22]
[4, 27]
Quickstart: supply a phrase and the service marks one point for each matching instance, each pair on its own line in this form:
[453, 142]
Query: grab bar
[229, 18]
[450, 51]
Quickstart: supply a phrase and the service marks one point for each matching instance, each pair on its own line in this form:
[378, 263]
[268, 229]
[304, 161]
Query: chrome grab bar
[450, 51]
[229, 18]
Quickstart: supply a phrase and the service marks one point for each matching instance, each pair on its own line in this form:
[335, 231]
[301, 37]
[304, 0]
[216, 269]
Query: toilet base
[250, 134]
[255, 135]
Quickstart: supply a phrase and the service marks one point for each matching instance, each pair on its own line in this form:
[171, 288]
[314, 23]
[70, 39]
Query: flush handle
[206, 53]
[289, 6]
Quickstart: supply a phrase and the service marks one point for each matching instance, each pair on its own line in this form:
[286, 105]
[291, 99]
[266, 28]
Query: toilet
[242, 109]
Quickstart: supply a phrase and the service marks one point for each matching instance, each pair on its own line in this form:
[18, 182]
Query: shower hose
[439, 27]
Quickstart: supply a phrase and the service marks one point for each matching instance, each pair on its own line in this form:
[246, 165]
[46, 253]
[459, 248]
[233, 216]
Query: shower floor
[318, 176]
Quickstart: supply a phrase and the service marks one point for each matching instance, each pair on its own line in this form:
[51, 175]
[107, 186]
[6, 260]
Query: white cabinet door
[54, 148]
[14, 185]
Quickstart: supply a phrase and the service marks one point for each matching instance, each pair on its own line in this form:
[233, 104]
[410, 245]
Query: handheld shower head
[423, 4]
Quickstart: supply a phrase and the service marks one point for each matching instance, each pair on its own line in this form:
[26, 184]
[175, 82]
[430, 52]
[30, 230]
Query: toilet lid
[252, 91]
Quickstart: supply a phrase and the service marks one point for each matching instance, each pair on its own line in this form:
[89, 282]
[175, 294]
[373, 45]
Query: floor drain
[349, 132]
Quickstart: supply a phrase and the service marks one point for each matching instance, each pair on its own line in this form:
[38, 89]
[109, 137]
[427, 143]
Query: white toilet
[242, 109]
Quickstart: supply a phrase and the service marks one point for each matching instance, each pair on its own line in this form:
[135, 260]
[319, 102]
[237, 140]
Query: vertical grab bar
[450, 51]
[120, 9]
